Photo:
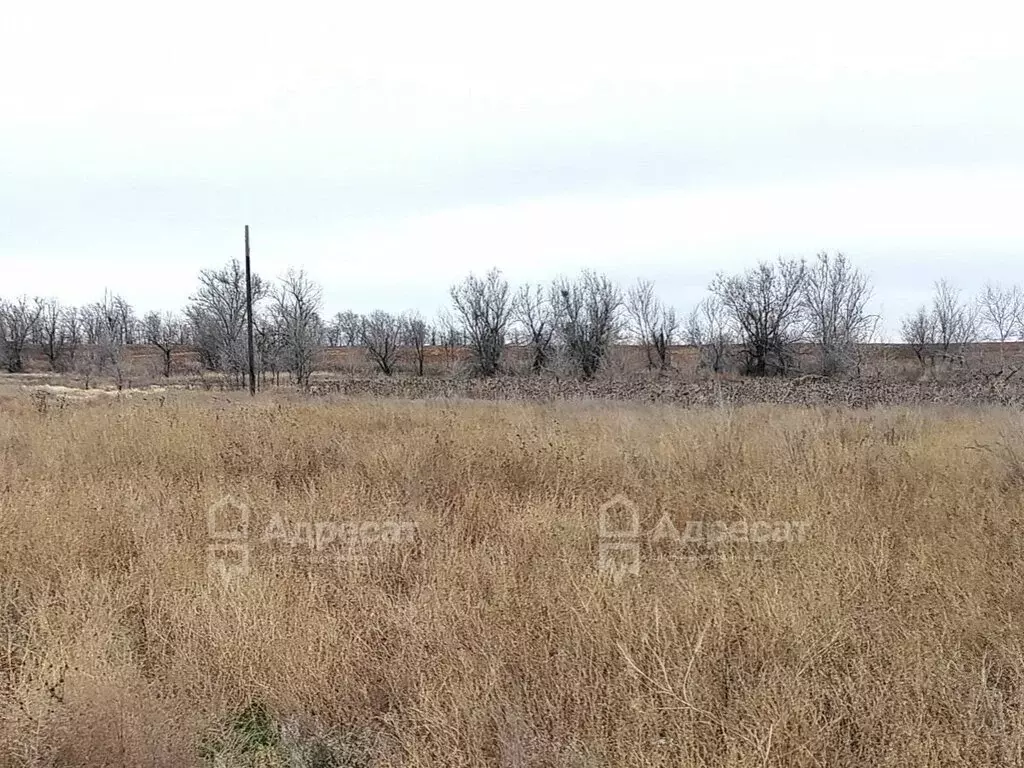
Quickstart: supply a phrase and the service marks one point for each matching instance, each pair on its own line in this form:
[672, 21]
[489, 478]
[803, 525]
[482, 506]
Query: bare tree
[217, 312]
[918, 331]
[186, 335]
[414, 337]
[114, 314]
[127, 323]
[269, 346]
[51, 332]
[18, 320]
[449, 337]
[653, 324]
[92, 323]
[764, 303]
[344, 329]
[483, 307]
[835, 295]
[351, 328]
[163, 331]
[589, 320]
[296, 311]
[332, 332]
[70, 335]
[955, 322]
[708, 329]
[382, 337]
[1001, 312]
[533, 312]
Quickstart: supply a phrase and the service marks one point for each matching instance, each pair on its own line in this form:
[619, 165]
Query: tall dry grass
[890, 636]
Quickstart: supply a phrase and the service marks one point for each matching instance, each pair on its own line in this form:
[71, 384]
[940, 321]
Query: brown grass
[890, 636]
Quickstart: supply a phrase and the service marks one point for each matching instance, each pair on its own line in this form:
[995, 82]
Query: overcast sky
[389, 148]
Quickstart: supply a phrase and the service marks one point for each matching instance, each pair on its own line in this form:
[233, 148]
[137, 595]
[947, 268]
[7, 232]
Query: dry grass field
[853, 596]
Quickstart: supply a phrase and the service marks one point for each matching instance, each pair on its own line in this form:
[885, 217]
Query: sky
[390, 148]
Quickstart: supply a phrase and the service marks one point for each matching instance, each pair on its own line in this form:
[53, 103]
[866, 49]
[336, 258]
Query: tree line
[755, 321]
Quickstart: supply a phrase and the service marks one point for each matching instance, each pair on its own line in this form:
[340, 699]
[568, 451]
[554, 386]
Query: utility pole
[248, 304]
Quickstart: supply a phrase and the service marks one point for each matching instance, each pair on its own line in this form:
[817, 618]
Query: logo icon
[227, 561]
[618, 526]
[228, 520]
[227, 552]
[618, 518]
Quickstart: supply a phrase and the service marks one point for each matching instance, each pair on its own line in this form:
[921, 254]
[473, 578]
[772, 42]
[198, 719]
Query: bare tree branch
[764, 303]
[483, 307]
[295, 312]
[589, 320]
[534, 315]
[382, 337]
[162, 330]
[18, 319]
[708, 329]
[835, 295]
[653, 324]
[414, 337]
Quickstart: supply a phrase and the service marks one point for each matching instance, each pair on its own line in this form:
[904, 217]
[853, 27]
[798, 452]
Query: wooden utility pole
[248, 305]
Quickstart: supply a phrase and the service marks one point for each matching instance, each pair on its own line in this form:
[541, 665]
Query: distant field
[433, 583]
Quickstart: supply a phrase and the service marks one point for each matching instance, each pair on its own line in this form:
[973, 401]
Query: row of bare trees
[754, 320]
[573, 320]
[943, 329]
[90, 336]
[772, 308]
[94, 339]
[287, 323]
[759, 316]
